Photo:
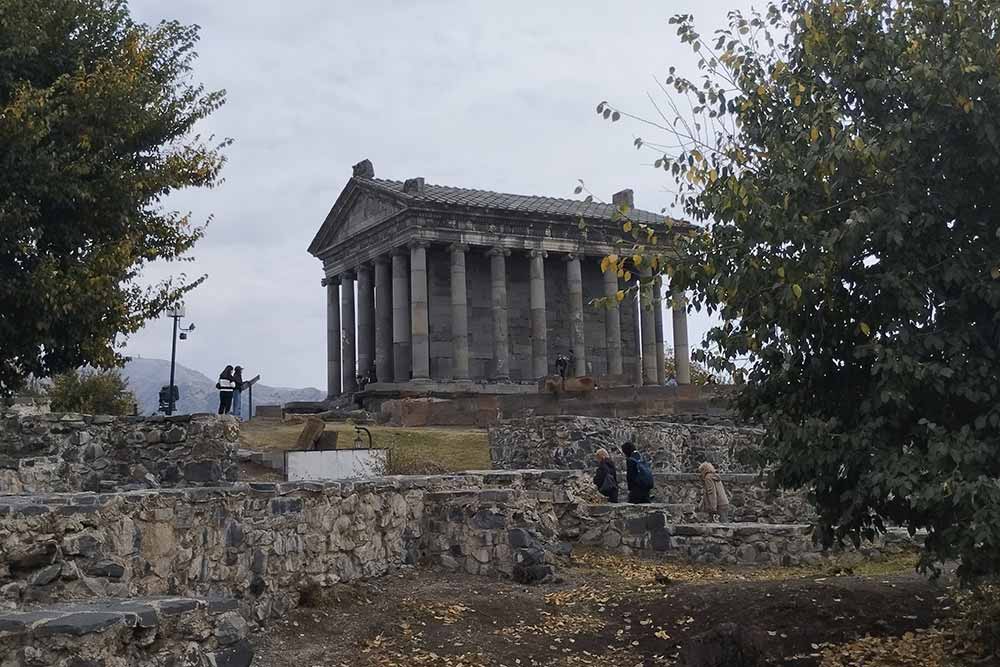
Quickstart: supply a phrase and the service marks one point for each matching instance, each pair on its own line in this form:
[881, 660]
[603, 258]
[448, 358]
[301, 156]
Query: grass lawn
[413, 450]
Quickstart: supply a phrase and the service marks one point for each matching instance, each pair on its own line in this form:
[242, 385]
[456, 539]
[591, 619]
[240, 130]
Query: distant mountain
[197, 391]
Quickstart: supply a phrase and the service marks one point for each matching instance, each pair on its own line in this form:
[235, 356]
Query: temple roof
[451, 196]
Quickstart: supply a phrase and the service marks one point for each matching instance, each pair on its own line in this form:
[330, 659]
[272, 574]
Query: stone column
[498, 291]
[459, 314]
[682, 354]
[383, 319]
[539, 337]
[661, 371]
[574, 281]
[420, 342]
[636, 306]
[648, 331]
[366, 320]
[400, 316]
[333, 380]
[613, 324]
[347, 334]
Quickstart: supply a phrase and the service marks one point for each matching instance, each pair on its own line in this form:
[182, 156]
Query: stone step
[127, 631]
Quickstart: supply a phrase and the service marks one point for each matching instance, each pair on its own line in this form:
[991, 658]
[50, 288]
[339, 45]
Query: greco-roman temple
[461, 290]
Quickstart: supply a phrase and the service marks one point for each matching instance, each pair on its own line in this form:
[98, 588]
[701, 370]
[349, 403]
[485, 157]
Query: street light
[175, 313]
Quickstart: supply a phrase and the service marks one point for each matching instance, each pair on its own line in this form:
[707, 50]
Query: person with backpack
[225, 385]
[606, 477]
[638, 475]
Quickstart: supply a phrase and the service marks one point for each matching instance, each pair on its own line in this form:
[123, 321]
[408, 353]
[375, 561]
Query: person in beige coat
[715, 500]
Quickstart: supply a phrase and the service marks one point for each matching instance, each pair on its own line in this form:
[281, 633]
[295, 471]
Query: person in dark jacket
[637, 491]
[606, 477]
[225, 385]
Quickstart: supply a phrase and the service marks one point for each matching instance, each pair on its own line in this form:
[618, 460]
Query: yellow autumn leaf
[604, 265]
[797, 291]
[797, 100]
[713, 175]
[637, 260]
[865, 329]
[859, 143]
[781, 272]
[628, 276]
[814, 134]
[627, 227]
[620, 295]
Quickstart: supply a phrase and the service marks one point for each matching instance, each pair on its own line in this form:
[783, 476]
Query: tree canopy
[842, 162]
[97, 118]
[91, 392]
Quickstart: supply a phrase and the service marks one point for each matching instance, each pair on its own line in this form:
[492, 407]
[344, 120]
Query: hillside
[197, 391]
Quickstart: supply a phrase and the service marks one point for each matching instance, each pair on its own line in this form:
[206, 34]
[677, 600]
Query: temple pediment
[357, 210]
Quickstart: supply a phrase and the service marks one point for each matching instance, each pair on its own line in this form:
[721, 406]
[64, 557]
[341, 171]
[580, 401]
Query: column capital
[364, 266]
[400, 251]
[419, 243]
[498, 251]
[569, 257]
[538, 253]
[383, 259]
[459, 247]
[330, 280]
[324, 282]
[350, 274]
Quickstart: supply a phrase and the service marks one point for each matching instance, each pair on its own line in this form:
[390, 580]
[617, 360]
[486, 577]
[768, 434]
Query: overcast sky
[496, 96]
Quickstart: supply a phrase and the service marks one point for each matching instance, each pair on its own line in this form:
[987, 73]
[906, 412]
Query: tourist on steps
[238, 392]
[606, 477]
[638, 475]
[715, 502]
[225, 385]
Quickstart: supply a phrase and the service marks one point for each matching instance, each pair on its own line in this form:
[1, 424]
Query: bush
[103, 392]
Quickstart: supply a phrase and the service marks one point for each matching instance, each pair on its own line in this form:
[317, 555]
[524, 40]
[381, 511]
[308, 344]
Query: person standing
[606, 477]
[715, 501]
[638, 475]
[238, 392]
[225, 385]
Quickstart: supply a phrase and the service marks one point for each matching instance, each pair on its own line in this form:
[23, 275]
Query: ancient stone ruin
[127, 542]
[459, 290]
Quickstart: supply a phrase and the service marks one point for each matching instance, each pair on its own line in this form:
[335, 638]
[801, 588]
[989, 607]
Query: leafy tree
[91, 392]
[843, 163]
[701, 375]
[96, 120]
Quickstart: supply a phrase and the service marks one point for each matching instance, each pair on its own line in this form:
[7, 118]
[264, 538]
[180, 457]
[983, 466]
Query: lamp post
[175, 313]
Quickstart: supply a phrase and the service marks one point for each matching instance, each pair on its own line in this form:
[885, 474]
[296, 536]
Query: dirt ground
[609, 610]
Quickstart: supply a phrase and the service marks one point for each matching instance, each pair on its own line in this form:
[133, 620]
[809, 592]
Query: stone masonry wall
[157, 632]
[261, 543]
[567, 442]
[749, 496]
[72, 452]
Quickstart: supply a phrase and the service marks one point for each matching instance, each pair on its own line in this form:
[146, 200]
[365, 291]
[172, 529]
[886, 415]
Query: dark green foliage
[847, 178]
[96, 120]
[91, 392]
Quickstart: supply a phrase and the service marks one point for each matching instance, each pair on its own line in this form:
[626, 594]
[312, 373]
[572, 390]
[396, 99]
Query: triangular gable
[357, 208]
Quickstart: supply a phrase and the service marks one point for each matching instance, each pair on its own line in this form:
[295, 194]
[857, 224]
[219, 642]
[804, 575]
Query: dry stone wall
[262, 543]
[749, 496]
[654, 528]
[567, 442]
[55, 453]
[155, 632]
